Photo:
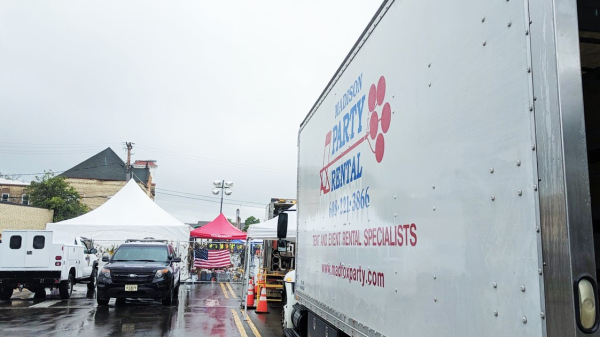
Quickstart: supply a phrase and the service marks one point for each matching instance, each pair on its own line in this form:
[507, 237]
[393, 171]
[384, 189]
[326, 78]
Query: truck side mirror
[105, 258]
[177, 259]
[93, 251]
[282, 223]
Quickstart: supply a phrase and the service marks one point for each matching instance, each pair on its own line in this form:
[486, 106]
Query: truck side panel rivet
[484, 43]
[434, 208]
[433, 187]
[394, 197]
[429, 65]
[492, 170]
[534, 98]
[528, 70]
[434, 277]
[527, 32]
[435, 299]
[520, 193]
[524, 319]
[496, 313]
[495, 285]
[535, 187]
[509, 24]
[483, 19]
[429, 83]
[537, 229]
[542, 315]
[394, 215]
[533, 147]
[493, 197]
[530, 108]
[396, 289]
[518, 163]
[540, 271]
[523, 288]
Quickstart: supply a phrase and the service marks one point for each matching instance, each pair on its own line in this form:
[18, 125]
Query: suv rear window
[15, 242]
[141, 253]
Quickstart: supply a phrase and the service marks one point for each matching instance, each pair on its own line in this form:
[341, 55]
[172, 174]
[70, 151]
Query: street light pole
[223, 187]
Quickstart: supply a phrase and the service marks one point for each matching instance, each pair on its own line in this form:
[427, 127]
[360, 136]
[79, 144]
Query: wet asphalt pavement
[202, 310]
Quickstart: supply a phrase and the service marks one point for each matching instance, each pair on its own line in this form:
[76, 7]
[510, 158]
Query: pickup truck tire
[102, 301]
[66, 288]
[92, 284]
[39, 294]
[6, 293]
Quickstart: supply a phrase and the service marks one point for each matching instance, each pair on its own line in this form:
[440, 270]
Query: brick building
[101, 176]
[13, 191]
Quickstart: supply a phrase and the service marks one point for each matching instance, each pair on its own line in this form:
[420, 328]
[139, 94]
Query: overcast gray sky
[210, 89]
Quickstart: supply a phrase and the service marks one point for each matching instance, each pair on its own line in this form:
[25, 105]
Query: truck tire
[92, 284]
[66, 288]
[6, 294]
[39, 294]
[102, 301]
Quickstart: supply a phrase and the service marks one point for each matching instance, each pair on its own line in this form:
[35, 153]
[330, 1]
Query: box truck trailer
[449, 176]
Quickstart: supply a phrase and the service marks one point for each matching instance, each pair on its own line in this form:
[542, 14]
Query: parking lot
[211, 309]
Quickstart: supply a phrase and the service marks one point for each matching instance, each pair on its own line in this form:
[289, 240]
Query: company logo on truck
[349, 132]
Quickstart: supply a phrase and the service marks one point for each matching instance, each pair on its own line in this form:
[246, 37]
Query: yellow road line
[252, 327]
[238, 323]
[224, 290]
[231, 290]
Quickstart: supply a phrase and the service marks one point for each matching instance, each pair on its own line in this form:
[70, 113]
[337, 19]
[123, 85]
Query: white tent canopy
[268, 229]
[129, 214]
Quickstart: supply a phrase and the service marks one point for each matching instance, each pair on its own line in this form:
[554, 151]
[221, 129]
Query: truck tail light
[587, 307]
[58, 258]
[57, 263]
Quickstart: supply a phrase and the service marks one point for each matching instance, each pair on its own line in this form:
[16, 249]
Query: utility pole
[128, 168]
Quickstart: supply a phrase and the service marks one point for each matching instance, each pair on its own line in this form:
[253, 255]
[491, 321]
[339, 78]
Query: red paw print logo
[376, 103]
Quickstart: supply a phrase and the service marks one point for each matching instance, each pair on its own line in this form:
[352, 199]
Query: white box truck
[36, 260]
[449, 176]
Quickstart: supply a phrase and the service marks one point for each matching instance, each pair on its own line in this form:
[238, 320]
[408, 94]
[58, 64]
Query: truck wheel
[6, 294]
[92, 284]
[102, 301]
[169, 299]
[40, 294]
[66, 288]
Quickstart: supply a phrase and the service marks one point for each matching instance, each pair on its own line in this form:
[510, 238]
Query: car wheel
[176, 293]
[169, 299]
[102, 301]
[6, 293]
[92, 284]
[66, 288]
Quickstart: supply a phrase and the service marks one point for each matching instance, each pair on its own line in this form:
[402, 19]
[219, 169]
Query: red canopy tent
[219, 228]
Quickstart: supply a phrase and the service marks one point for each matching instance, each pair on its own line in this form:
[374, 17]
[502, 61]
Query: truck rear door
[37, 246]
[13, 249]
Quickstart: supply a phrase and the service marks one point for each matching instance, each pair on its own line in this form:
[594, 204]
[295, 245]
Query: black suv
[140, 269]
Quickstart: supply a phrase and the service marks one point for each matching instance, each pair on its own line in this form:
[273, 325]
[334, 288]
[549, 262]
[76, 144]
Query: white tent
[268, 229]
[129, 214]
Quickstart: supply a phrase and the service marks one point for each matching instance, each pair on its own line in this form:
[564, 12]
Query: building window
[15, 242]
[5, 197]
[25, 199]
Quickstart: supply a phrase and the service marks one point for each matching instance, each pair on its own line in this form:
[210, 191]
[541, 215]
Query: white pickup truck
[37, 260]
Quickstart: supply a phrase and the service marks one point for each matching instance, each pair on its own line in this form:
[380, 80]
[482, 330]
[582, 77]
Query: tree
[250, 221]
[53, 192]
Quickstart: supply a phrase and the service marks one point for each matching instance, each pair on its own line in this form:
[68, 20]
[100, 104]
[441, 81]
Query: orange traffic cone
[262, 303]
[250, 297]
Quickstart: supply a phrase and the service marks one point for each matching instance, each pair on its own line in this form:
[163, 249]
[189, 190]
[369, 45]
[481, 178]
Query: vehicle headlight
[161, 273]
[105, 272]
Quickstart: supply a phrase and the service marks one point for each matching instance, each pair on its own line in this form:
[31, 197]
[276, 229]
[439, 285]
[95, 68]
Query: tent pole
[248, 248]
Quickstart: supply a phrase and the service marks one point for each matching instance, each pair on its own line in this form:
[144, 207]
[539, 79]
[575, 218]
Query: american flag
[204, 258]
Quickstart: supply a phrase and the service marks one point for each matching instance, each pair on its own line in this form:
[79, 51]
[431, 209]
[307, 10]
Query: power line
[208, 196]
[213, 201]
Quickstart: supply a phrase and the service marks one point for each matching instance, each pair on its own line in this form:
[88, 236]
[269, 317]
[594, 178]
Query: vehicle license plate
[131, 287]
